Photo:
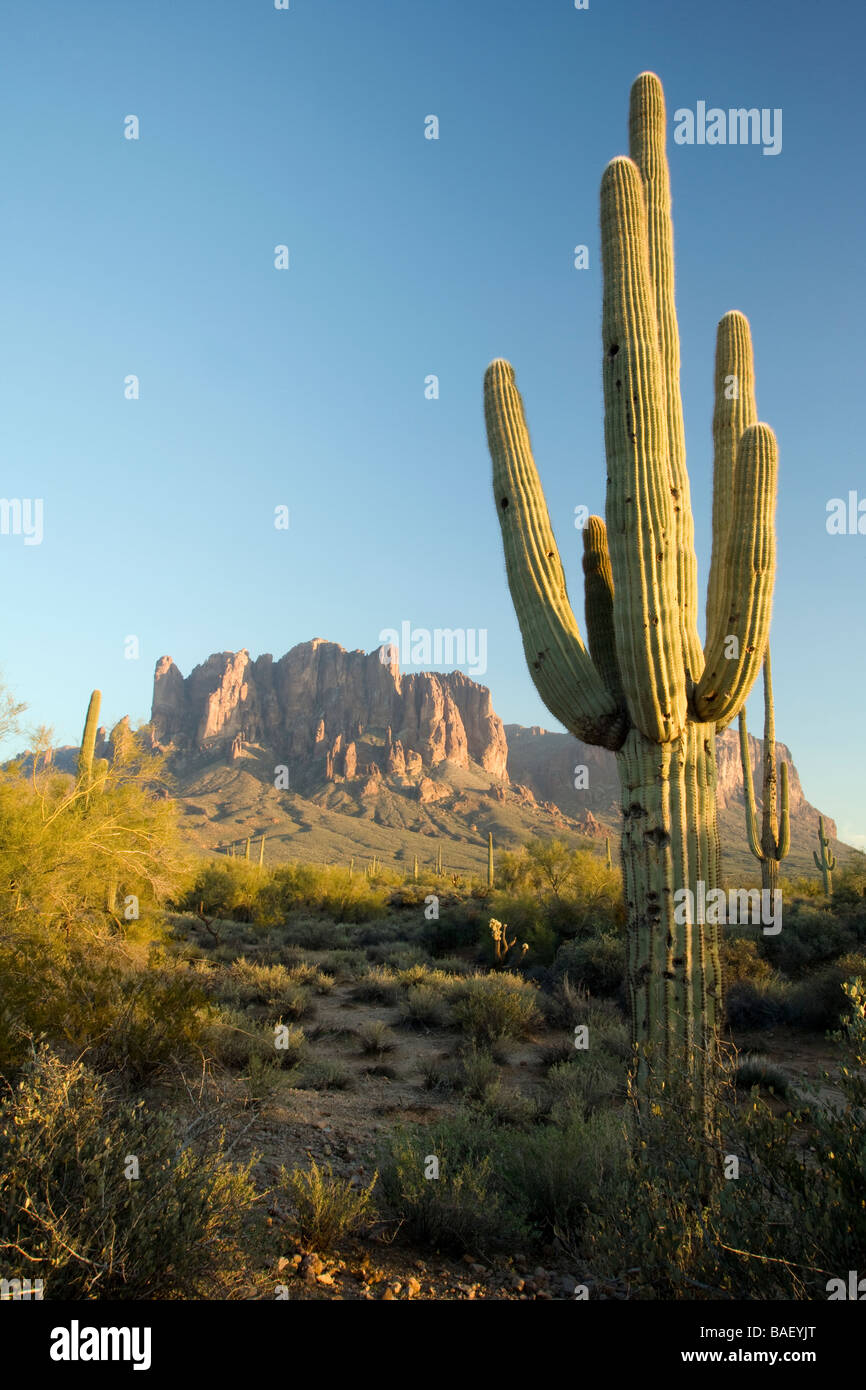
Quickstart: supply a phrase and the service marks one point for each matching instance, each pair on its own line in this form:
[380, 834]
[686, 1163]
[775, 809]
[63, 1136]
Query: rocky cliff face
[351, 723]
[329, 713]
[581, 778]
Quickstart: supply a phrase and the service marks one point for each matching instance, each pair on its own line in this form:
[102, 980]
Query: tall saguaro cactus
[490, 869]
[826, 862]
[775, 839]
[88, 742]
[646, 688]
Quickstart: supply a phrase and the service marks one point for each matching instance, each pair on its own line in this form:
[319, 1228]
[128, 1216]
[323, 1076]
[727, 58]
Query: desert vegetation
[253, 1075]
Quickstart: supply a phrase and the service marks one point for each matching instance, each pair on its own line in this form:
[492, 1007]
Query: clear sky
[407, 257]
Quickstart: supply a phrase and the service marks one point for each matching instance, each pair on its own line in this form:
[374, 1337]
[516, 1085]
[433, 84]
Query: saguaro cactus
[490, 859]
[88, 744]
[827, 860]
[775, 838]
[607, 859]
[88, 738]
[645, 688]
[262, 852]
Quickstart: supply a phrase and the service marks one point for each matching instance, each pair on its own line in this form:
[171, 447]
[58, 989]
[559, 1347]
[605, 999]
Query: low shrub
[489, 1007]
[325, 1208]
[69, 1210]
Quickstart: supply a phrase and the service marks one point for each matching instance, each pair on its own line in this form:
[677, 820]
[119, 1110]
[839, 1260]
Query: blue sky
[408, 257]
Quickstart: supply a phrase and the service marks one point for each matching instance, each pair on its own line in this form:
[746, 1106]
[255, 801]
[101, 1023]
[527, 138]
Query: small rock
[324, 1278]
[388, 1294]
[310, 1267]
[413, 1287]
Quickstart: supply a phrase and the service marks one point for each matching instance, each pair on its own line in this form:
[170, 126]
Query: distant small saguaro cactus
[827, 860]
[490, 859]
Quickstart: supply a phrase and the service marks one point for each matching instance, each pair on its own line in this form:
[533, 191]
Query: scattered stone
[310, 1267]
[413, 1287]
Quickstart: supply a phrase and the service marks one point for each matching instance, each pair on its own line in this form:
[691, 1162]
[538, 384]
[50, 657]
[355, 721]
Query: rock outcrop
[329, 713]
[582, 779]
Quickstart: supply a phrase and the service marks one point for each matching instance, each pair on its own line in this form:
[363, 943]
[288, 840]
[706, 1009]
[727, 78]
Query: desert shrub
[477, 1075]
[582, 1085]
[795, 1214]
[325, 1208]
[458, 927]
[120, 1004]
[490, 1007]
[556, 1176]
[741, 962]
[464, 1208]
[311, 977]
[234, 1040]
[325, 1075]
[379, 986]
[270, 985]
[325, 888]
[68, 1209]
[597, 963]
[316, 934]
[345, 964]
[819, 1002]
[424, 1006]
[453, 965]
[226, 889]
[757, 1070]
[376, 1038]
[753, 1004]
[813, 935]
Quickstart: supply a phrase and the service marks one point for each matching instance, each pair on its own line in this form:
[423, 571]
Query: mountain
[332, 753]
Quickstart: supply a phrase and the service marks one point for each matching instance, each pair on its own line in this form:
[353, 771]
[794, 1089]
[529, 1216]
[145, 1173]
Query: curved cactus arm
[639, 510]
[735, 409]
[745, 594]
[647, 149]
[784, 841]
[598, 600]
[560, 666]
[749, 791]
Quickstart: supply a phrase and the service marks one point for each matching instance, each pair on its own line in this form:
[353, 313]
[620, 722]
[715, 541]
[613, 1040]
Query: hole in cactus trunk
[504, 503]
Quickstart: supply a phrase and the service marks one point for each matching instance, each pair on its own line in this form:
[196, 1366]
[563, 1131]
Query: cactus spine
[88, 743]
[645, 688]
[490, 859]
[827, 860]
[775, 838]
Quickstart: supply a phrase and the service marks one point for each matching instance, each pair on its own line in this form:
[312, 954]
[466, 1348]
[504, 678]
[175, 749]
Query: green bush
[598, 963]
[325, 1208]
[461, 1210]
[490, 1007]
[69, 1211]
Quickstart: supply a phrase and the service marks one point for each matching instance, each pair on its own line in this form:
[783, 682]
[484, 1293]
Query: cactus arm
[639, 503]
[733, 413]
[749, 790]
[598, 599]
[647, 149]
[745, 595]
[784, 842]
[558, 662]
